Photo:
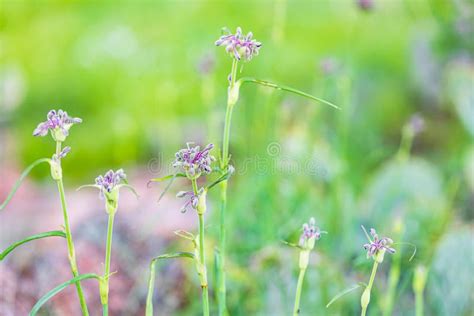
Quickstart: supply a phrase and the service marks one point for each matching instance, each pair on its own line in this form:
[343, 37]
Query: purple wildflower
[192, 200]
[365, 5]
[310, 233]
[109, 181]
[194, 161]
[416, 123]
[238, 45]
[58, 122]
[378, 244]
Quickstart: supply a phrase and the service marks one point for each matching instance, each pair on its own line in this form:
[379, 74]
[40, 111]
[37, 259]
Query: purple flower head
[310, 234]
[62, 154]
[365, 5]
[192, 200]
[416, 124]
[238, 45]
[59, 123]
[109, 181]
[377, 244]
[194, 161]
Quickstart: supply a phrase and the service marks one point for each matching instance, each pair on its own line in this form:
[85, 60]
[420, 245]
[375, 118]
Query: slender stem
[369, 286]
[299, 286]
[221, 286]
[149, 298]
[70, 244]
[108, 253]
[419, 303]
[202, 260]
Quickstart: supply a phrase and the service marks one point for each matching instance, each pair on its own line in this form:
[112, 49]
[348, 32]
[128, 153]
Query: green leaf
[291, 244]
[408, 244]
[151, 280]
[12, 247]
[94, 186]
[132, 189]
[22, 177]
[59, 288]
[168, 177]
[346, 291]
[224, 177]
[184, 234]
[288, 89]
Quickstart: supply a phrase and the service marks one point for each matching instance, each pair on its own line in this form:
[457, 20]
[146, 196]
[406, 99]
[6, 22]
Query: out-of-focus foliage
[145, 77]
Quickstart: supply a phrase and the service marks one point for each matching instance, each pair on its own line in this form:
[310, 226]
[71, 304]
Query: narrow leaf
[366, 234]
[59, 288]
[22, 177]
[132, 189]
[151, 280]
[291, 244]
[94, 186]
[170, 176]
[184, 234]
[341, 294]
[288, 89]
[408, 244]
[12, 247]
[224, 177]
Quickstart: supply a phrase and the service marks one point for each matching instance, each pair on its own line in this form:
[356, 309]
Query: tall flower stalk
[241, 48]
[109, 186]
[310, 234]
[59, 123]
[376, 249]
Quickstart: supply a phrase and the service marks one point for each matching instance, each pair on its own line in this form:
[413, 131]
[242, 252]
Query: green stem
[70, 244]
[108, 253]
[419, 303]
[299, 286]
[369, 286]
[221, 286]
[202, 258]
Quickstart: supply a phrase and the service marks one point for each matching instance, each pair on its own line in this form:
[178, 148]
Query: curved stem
[108, 253]
[299, 286]
[70, 244]
[221, 284]
[369, 286]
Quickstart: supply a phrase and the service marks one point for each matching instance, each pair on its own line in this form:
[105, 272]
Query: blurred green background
[145, 77]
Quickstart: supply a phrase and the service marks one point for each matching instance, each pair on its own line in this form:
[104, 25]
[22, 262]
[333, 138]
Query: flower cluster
[194, 161]
[310, 234]
[378, 244]
[109, 181]
[59, 122]
[238, 45]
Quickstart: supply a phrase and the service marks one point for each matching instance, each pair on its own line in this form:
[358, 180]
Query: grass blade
[151, 280]
[59, 288]
[12, 247]
[20, 180]
[341, 294]
[288, 89]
